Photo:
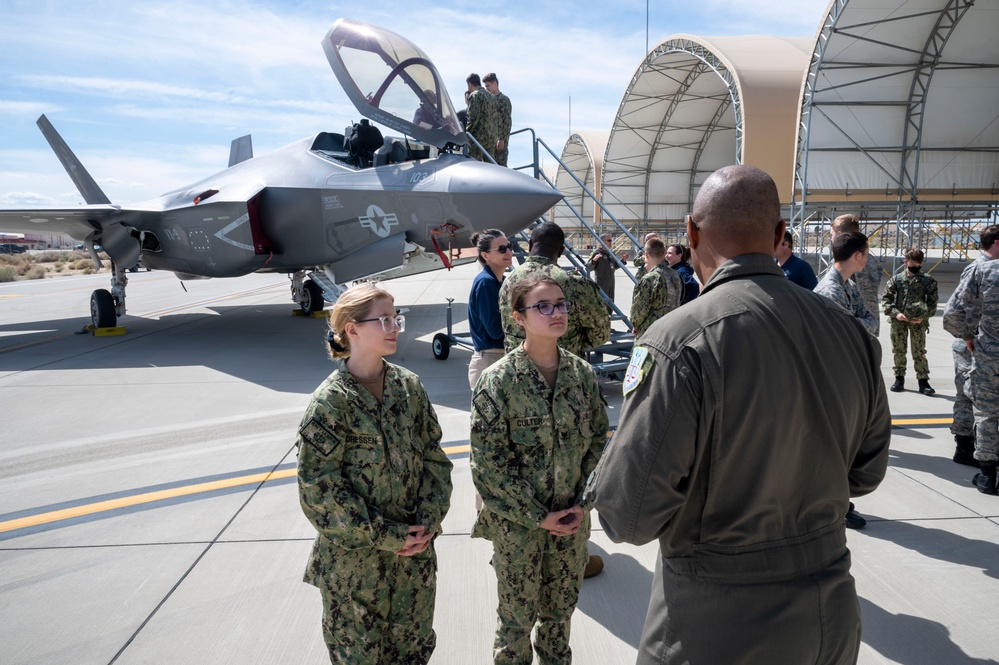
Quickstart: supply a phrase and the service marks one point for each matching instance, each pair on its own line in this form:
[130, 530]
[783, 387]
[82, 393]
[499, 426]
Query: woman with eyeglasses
[484, 322]
[375, 483]
[538, 429]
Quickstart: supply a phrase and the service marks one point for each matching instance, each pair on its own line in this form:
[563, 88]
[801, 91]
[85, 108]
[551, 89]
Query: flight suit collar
[745, 265]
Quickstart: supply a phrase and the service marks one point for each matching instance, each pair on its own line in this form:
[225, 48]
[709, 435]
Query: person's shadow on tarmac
[617, 598]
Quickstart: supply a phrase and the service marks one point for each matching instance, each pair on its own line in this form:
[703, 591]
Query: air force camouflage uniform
[533, 448]
[973, 313]
[916, 297]
[868, 281]
[366, 472]
[847, 295]
[658, 293]
[483, 123]
[964, 417]
[588, 323]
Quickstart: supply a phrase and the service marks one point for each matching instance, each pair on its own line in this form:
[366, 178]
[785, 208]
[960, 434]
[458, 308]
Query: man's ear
[693, 232]
[779, 233]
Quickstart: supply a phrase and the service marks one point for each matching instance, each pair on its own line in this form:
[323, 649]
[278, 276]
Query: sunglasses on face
[502, 249]
[548, 308]
[389, 323]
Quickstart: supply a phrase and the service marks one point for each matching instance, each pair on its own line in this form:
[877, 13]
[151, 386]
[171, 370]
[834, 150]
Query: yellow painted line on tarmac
[5, 296]
[139, 499]
[922, 421]
[457, 450]
[25, 345]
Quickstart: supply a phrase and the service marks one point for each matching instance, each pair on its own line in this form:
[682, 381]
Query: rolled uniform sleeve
[643, 476]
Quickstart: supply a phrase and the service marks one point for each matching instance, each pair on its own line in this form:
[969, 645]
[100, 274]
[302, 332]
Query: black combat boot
[964, 453]
[924, 387]
[897, 387]
[986, 480]
[853, 519]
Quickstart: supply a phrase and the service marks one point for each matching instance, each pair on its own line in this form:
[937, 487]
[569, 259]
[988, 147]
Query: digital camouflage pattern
[366, 472]
[868, 281]
[588, 323]
[482, 123]
[972, 313]
[504, 111]
[964, 417]
[658, 293]
[847, 295]
[639, 262]
[916, 297]
[533, 448]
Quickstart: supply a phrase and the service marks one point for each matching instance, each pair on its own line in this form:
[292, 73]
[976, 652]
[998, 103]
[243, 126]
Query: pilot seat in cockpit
[362, 142]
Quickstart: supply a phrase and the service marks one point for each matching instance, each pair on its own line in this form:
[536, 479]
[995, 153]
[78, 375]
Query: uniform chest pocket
[363, 449]
[529, 432]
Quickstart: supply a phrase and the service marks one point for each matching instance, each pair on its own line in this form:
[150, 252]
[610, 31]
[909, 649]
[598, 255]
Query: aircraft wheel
[102, 312]
[441, 346]
[312, 300]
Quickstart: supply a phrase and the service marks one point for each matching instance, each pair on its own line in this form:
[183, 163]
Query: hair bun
[331, 338]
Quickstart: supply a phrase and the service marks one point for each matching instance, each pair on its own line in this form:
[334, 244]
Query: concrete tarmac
[149, 512]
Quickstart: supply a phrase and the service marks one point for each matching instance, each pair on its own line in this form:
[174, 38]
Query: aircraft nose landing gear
[106, 306]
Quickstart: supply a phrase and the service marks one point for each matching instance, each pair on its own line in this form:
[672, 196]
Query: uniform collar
[745, 265]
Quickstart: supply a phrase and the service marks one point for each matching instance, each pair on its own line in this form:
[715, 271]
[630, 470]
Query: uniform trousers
[964, 417]
[538, 579]
[916, 335]
[378, 607]
[985, 399]
[811, 619]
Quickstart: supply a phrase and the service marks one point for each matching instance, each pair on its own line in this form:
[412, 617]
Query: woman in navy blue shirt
[484, 322]
[678, 257]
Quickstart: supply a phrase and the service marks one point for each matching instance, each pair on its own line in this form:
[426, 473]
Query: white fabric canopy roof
[901, 104]
[583, 154]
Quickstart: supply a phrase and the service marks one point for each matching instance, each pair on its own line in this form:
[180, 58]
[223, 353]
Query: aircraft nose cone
[494, 197]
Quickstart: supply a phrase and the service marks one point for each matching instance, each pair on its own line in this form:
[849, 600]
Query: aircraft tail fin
[87, 186]
[241, 150]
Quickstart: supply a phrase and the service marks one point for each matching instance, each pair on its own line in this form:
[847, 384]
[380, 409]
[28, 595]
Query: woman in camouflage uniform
[375, 483]
[538, 428]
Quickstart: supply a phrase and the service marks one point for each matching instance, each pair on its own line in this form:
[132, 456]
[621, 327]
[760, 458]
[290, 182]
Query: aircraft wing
[77, 222]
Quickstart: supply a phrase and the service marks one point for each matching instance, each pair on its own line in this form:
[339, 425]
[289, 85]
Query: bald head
[736, 212]
[739, 201]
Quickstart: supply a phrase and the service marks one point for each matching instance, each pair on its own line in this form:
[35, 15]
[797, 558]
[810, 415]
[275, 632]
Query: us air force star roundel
[635, 373]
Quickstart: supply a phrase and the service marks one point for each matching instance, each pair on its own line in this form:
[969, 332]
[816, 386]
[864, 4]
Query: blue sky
[150, 94]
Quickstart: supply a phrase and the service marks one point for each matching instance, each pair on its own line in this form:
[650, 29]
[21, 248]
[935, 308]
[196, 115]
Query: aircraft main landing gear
[313, 293]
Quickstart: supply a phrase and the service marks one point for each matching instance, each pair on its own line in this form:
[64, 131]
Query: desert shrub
[83, 264]
[38, 272]
[7, 273]
[89, 270]
[49, 256]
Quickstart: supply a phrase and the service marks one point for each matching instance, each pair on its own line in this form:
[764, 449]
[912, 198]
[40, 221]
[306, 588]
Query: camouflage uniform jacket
[868, 281]
[659, 293]
[589, 322]
[483, 120]
[533, 447]
[915, 296]
[504, 111]
[846, 294]
[971, 311]
[367, 471]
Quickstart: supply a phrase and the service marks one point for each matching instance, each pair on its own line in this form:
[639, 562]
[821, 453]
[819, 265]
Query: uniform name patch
[530, 422]
[636, 372]
[361, 438]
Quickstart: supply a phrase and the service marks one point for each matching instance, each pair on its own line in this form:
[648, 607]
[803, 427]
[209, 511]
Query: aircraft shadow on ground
[618, 598]
[262, 344]
[903, 638]
[939, 544]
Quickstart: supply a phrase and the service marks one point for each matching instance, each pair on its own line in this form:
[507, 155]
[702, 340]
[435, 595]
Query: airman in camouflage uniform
[533, 448]
[972, 313]
[868, 282]
[913, 297]
[659, 291]
[504, 117]
[366, 471]
[850, 250]
[589, 324]
[482, 119]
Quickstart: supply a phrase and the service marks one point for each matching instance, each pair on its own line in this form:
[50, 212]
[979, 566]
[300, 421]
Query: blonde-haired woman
[375, 483]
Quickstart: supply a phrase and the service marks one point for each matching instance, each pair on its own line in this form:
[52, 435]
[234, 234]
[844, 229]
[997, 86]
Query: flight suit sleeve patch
[638, 368]
[486, 408]
[319, 436]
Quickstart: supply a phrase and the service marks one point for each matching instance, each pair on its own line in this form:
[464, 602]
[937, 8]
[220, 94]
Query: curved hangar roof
[583, 154]
[901, 100]
[694, 105]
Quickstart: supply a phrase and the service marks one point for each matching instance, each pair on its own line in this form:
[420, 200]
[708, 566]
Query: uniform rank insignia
[486, 408]
[636, 369]
[319, 436]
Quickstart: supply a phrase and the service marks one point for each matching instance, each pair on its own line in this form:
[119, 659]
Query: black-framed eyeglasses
[502, 249]
[548, 308]
[389, 323]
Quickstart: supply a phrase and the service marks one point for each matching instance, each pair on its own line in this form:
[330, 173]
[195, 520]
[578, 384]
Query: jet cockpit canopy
[392, 82]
